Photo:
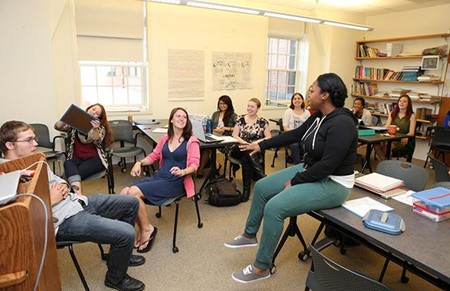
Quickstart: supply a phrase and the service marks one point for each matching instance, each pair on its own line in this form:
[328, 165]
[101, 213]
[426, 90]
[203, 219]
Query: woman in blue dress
[178, 153]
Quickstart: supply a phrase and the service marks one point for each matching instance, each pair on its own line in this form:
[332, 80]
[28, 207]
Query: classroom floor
[203, 263]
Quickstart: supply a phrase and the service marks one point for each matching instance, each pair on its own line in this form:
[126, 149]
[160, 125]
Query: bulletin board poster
[186, 80]
[231, 71]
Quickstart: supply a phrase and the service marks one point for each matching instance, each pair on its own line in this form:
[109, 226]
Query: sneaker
[241, 242]
[248, 275]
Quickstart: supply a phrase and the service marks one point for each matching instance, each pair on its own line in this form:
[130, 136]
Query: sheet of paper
[361, 206]
[227, 138]
[160, 130]
[405, 198]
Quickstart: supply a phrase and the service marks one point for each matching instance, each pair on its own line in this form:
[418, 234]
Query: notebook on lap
[197, 128]
[8, 186]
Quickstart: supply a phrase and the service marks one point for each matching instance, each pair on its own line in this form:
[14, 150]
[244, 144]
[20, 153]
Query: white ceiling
[359, 7]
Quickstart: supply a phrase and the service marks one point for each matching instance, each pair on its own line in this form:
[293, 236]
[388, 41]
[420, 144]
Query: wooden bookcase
[370, 83]
[22, 232]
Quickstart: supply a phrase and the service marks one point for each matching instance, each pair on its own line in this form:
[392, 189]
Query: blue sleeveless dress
[163, 185]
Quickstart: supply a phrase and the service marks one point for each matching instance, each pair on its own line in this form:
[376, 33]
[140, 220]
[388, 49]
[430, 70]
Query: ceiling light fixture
[224, 7]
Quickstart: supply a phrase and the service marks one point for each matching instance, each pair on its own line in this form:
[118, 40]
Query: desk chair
[440, 170]
[46, 145]
[326, 275]
[406, 152]
[108, 173]
[176, 200]
[69, 244]
[123, 133]
[440, 142]
[287, 157]
[414, 177]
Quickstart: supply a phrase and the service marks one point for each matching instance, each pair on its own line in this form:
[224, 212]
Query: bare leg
[380, 150]
[204, 160]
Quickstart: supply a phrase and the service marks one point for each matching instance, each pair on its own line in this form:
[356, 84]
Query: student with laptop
[224, 120]
[250, 128]
[178, 154]
[86, 153]
[105, 219]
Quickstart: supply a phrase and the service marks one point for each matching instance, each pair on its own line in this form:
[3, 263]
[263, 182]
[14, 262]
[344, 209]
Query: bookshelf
[389, 67]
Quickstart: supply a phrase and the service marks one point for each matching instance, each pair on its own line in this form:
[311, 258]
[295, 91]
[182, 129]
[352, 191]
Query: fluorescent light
[292, 17]
[222, 7]
[168, 1]
[347, 25]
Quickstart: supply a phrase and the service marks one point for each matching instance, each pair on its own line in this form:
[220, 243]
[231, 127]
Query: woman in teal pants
[323, 180]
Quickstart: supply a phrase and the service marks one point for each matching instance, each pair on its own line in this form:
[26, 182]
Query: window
[119, 86]
[282, 69]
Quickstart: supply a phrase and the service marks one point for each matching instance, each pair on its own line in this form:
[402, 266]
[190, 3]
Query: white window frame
[284, 89]
[112, 102]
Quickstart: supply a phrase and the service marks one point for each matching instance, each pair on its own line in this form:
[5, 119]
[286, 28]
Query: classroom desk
[424, 245]
[370, 140]
[156, 136]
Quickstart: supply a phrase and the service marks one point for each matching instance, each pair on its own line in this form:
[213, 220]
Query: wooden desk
[22, 233]
[370, 140]
[424, 244]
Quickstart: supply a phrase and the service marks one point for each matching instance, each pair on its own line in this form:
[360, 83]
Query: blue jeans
[274, 203]
[107, 219]
[79, 169]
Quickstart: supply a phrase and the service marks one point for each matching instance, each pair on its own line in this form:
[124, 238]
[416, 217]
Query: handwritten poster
[231, 71]
[186, 80]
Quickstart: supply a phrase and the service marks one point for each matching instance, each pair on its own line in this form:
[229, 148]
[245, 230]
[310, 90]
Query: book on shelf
[393, 49]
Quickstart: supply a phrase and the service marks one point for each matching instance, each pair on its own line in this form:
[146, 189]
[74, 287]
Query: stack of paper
[378, 183]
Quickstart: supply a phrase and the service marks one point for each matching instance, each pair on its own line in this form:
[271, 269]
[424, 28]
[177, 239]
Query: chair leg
[77, 266]
[199, 223]
[174, 245]
[103, 255]
[291, 230]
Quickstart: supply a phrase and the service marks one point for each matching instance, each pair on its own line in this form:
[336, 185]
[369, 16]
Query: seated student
[323, 180]
[404, 118]
[250, 128]
[86, 154]
[105, 219]
[361, 113]
[224, 120]
[178, 153]
[293, 117]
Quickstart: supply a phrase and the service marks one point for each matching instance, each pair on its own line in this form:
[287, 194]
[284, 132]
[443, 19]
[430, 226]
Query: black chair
[440, 142]
[176, 201]
[440, 170]
[108, 173]
[47, 145]
[287, 156]
[69, 244]
[407, 152]
[123, 133]
[327, 275]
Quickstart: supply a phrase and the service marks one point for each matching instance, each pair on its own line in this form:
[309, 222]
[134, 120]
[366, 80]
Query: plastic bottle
[204, 123]
[209, 125]
[130, 116]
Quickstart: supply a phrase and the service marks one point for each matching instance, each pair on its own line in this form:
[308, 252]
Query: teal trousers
[274, 203]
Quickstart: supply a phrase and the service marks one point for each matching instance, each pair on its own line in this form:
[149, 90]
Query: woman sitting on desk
[293, 117]
[404, 118]
[361, 113]
[224, 120]
[178, 153]
[324, 180]
[86, 155]
[248, 129]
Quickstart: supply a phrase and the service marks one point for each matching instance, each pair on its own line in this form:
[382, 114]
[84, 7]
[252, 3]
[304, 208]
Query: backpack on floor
[222, 192]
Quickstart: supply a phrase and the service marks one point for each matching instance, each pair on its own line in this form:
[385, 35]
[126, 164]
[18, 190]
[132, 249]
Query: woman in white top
[361, 113]
[293, 117]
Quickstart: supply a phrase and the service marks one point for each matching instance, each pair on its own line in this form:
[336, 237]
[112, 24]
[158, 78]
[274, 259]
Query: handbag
[222, 192]
[384, 222]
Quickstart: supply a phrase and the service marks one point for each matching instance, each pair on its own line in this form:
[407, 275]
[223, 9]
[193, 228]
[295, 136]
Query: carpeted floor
[203, 263]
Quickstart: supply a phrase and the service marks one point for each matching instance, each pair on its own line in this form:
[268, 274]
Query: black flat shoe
[136, 260]
[149, 242]
[127, 284]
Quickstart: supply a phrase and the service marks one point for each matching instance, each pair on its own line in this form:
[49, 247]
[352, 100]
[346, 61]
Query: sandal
[149, 242]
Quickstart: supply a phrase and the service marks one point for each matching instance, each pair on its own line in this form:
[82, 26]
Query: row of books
[365, 51]
[365, 88]
[392, 50]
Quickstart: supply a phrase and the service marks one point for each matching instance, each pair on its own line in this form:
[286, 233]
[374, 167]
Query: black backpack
[222, 192]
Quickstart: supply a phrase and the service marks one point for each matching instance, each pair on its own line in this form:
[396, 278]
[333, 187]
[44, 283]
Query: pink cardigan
[193, 160]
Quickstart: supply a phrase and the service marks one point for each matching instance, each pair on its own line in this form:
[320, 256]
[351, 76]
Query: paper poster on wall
[231, 71]
[186, 80]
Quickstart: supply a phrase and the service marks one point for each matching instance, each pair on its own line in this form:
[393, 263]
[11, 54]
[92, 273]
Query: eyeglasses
[28, 140]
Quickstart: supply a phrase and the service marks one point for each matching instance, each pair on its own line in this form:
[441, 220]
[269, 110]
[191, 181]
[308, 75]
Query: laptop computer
[8, 186]
[197, 129]
[78, 119]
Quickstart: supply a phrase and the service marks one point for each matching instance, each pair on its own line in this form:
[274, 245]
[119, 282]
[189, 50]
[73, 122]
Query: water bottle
[209, 125]
[204, 124]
